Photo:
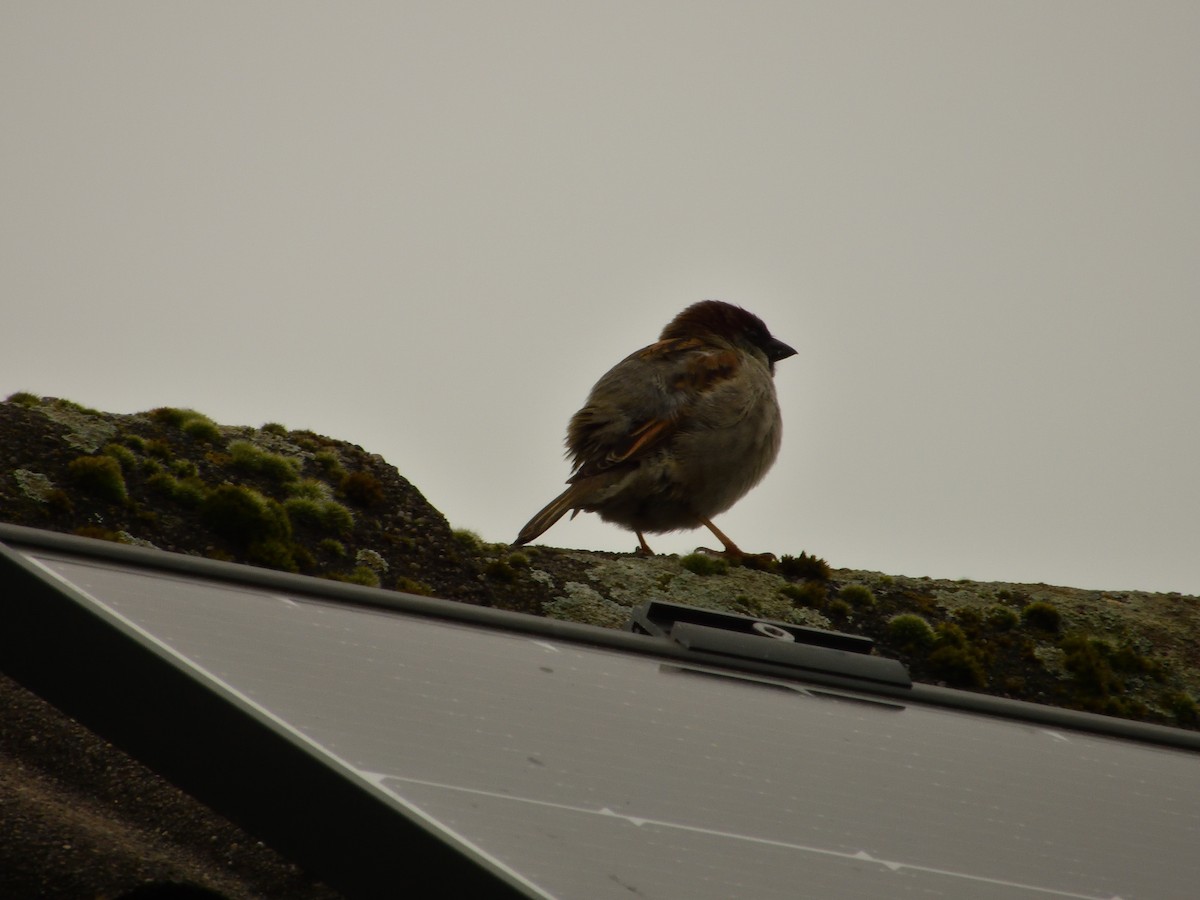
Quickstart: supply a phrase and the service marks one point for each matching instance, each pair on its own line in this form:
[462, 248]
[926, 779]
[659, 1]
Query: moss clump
[910, 633]
[811, 595]
[183, 468]
[169, 415]
[158, 449]
[322, 515]
[24, 398]
[954, 659]
[194, 424]
[246, 457]
[412, 586]
[189, 492]
[1042, 616]
[500, 570]
[1183, 708]
[274, 554]
[98, 533]
[809, 568]
[363, 489]
[309, 488]
[1001, 618]
[327, 461]
[201, 429]
[468, 540]
[274, 428]
[704, 564]
[360, 575]
[1099, 671]
[100, 475]
[123, 455]
[332, 547]
[59, 502]
[244, 516]
[857, 595]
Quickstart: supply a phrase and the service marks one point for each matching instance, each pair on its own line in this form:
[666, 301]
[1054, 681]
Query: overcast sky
[428, 228]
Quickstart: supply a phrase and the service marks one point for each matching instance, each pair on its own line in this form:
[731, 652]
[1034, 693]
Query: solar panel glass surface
[595, 773]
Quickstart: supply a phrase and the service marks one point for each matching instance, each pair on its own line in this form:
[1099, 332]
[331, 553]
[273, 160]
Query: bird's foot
[735, 556]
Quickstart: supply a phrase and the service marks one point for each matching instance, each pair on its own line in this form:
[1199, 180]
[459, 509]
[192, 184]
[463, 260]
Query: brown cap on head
[729, 321]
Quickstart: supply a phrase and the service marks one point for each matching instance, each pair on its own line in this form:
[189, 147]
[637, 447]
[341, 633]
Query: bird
[676, 432]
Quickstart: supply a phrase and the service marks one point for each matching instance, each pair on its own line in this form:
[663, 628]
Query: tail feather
[553, 511]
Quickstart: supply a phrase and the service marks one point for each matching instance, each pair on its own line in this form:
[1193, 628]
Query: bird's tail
[553, 511]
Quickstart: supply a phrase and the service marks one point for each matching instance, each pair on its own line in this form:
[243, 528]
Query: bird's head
[732, 323]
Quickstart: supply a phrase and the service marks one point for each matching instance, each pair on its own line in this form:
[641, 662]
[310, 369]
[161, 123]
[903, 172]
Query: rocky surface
[297, 501]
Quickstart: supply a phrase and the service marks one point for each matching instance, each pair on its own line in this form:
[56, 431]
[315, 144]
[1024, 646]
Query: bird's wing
[640, 403]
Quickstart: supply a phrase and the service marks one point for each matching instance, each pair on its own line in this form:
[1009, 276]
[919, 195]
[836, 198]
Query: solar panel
[568, 769]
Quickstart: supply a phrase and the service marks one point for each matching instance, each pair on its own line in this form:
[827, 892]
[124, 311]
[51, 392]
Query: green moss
[159, 449]
[857, 595]
[24, 398]
[1183, 708]
[1087, 659]
[275, 428]
[518, 560]
[202, 429]
[812, 594]
[246, 457]
[99, 475]
[363, 489]
[332, 547]
[957, 666]
[183, 468]
[1001, 618]
[273, 554]
[500, 570]
[98, 533]
[327, 461]
[244, 516]
[468, 540]
[1099, 670]
[704, 564]
[59, 502]
[839, 610]
[1042, 616]
[910, 633]
[75, 407]
[169, 415]
[309, 488]
[360, 575]
[192, 423]
[411, 586]
[323, 515]
[188, 492]
[809, 568]
[123, 455]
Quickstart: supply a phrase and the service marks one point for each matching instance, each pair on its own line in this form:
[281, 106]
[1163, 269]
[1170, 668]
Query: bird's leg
[643, 548]
[732, 550]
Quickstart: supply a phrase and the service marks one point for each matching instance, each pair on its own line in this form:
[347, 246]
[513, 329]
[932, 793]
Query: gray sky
[428, 228]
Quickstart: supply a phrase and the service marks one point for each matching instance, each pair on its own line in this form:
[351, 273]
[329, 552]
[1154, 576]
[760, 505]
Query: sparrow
[677, 432]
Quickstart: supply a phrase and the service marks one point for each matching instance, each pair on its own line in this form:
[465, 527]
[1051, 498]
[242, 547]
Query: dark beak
[777, 350]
